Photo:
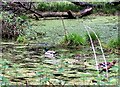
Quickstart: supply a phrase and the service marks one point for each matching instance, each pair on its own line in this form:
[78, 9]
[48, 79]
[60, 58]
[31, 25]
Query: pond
[106, 26]
[21, 63]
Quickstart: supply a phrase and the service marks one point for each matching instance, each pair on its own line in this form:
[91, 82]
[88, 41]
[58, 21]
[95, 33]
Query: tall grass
[93, 36]
[57, 6]
[74, 39]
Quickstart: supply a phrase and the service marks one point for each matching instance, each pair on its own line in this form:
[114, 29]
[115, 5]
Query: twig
[51, 84]
[65, 30]
[75, 85]
[30, 9]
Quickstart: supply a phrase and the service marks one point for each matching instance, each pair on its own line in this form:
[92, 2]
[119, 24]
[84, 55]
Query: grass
[57, 6]
[21, 39]
[93, 37]
[74, 40]
[114, 43]
[66, 5]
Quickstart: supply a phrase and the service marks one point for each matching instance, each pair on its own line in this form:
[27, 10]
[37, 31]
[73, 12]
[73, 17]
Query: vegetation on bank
[106, 8]
[58, 6]
[12, 26]
[62, 6]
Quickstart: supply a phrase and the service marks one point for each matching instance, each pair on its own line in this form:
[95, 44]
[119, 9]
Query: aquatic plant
[114, 43]
[3, 80]
[44, 76]
[93, 37]
[74, 40]
[16, 68]
[21, 39]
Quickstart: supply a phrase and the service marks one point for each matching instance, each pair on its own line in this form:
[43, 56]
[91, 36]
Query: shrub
[106, 8]
[12, 26]
[74, 40]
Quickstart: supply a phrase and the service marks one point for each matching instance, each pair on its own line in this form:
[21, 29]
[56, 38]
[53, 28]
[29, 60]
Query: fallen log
[88, 7]
[86, 12]
[54, 14]
[69, 14]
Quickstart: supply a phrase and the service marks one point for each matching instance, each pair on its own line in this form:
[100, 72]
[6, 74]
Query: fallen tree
[20, 7]
[68, 14]
[24, 7]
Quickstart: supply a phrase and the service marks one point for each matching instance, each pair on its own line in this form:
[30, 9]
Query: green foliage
[58, 6]
[114, 43]
[66, 5]
[106, 8]
[93, 36]
[21, 39]
[4, 82]
[74, 40]
[12, 26]
[24, 17]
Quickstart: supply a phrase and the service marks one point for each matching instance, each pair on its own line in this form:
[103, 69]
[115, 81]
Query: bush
[74, 40]
[12, 26]
[105, 8]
